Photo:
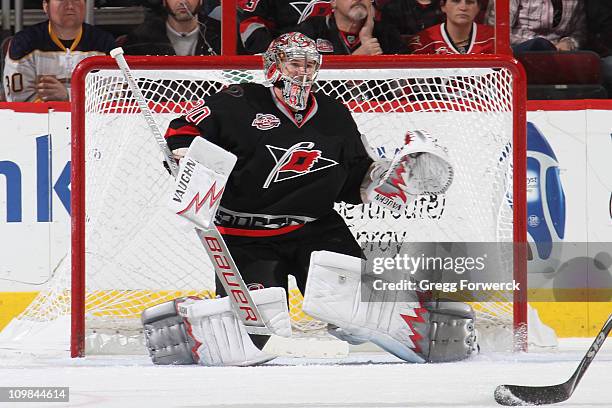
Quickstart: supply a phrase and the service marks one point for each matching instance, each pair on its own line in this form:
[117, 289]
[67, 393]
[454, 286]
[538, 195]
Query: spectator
[3, 51]
[545, 25]
[351, 29]
[410, 16]
[459, 34]
[599, 22]
[41, 57]
[263, 20]
[177, 29]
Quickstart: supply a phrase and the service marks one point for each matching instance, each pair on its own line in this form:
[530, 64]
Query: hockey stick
[518, 395]
[211, 239]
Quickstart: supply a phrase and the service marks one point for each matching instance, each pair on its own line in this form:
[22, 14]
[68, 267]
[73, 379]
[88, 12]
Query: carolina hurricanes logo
[298, 160]
[265, 121]
[311, 8]
[301, 161]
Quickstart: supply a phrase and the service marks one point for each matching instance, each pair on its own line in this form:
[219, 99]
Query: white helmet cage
[292, 47]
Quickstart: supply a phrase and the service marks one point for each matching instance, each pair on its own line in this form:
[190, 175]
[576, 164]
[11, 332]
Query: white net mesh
[137, 252]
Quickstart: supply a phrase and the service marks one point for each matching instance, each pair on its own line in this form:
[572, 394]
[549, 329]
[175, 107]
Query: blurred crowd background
[565, 45]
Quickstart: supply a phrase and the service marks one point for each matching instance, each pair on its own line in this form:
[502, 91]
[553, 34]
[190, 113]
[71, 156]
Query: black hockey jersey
[263, 20]
[36, 51]
[329, 39]
[291, 165]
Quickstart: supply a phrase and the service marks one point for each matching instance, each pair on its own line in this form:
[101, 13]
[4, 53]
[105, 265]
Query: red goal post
[377, 66]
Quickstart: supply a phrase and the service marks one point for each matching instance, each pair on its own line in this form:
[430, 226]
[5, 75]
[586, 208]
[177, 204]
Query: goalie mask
[292, 63]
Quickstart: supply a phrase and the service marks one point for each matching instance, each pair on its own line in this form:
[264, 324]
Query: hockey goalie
[281, 155]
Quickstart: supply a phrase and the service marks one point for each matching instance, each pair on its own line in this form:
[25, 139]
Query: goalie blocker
[203, 165]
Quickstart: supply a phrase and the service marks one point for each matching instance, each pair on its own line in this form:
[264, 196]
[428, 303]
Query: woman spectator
[459, 34]
[545, 25]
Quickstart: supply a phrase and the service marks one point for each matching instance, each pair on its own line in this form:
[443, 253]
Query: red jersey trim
[244, 25]
[347, 44]
[258, 233]
[451, 44]
[187, 130]
[286, 110]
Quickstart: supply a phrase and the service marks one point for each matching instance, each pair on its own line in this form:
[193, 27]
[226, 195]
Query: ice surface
[361, 380]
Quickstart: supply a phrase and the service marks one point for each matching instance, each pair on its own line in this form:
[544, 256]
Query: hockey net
[130, 252]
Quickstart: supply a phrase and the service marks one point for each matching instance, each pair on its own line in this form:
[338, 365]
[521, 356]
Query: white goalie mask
[292, 63]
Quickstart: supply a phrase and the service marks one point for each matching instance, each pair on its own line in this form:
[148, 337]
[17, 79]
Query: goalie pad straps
[452, 333]
[165, 335]
[207, 331]
[398, 322]
[220, 339]
[199, 185]
[422, 166]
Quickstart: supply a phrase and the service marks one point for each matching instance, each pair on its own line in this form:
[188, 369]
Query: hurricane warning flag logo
[298, 160]
[311, 8]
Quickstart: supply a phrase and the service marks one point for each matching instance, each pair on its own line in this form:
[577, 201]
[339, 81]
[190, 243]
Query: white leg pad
[221, 339]
[333, 295]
